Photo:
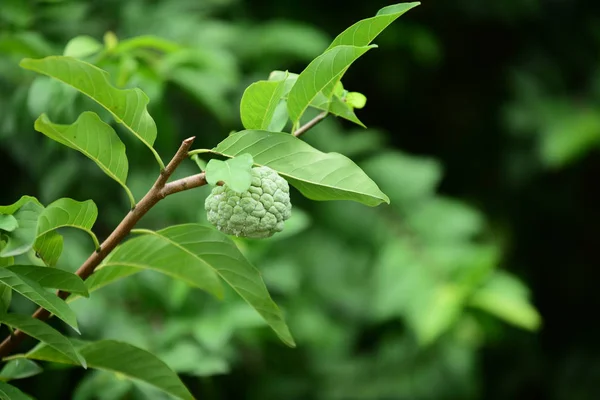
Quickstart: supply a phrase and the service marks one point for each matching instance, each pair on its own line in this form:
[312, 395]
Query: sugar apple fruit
[258, 212]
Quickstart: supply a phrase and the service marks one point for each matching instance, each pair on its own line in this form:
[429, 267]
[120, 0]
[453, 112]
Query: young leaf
[125, 359]
[45, 334]
[94, 139]
[333, 105]
[9, 392]
[321, 76]
[69, 213]
[52, 278]
[259, 103]
[22, 238]
[234, 172]
[363, 32]
[356, 99]
[49, 247]
[128, 106]
[8, 223]
[19, 369]
[317, 175]
[32, 290]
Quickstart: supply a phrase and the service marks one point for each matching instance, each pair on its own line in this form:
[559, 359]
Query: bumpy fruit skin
[257, 213]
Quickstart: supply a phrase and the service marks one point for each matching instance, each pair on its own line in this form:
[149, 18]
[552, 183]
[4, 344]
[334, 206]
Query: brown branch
[159, 191]
[310, 124]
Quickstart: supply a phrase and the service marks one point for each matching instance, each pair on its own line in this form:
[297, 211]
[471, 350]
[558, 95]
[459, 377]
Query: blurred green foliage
[395, 302]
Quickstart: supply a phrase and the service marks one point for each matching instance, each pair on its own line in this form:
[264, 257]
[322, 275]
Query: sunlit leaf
[259, 102]
[45, 334]
[321, 76]
[93, 138]
[21, 239]
[9, 392]
[32, 290]
[69, 213]
[235, 172]
[52, 278]
[19, 369]
[356, 100]
[363, 32]
[122, 358]
[8, 223]
[317, 175]
[128, 106]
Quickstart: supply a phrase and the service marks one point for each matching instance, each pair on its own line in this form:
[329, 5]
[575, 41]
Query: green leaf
[321, 76]
[32, 290]
[21, 240]
[69, 213]
[9, 392]
[82, 46]
[8, 223]
[259, 102]
[363, 32]
[165, 256]
[192, 251]
[49, 247]
[333, 105]
[45, 334]
[128, 106]
[356, 100]
[19, 369]
[124, 359]
[317, 175]
[506, 297]
[11, 209]
[93, 138]
[5, 297]
[235, 172]
[52, 278]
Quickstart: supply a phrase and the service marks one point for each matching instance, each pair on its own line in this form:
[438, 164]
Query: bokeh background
[479, 281]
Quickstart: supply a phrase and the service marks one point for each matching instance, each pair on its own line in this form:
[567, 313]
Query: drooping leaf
[317, 175]
[82, 46]
[19, 369]
[93, 138]
[8, 223]
[52, 278]
[45, 334]
[259, 103]
[321, 76]
[507, 298]
[21, 239]
[9, 392]
[122, 358]
[11, 209]
[167, 257]
[235, 172]
[363, 32]
[49, 247]
[40, 296]
[190, 252]
[69, 213]
[128, 106]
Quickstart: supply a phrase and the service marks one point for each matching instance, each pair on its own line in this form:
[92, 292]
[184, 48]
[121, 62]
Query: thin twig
[159, 191]
[310, 124]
